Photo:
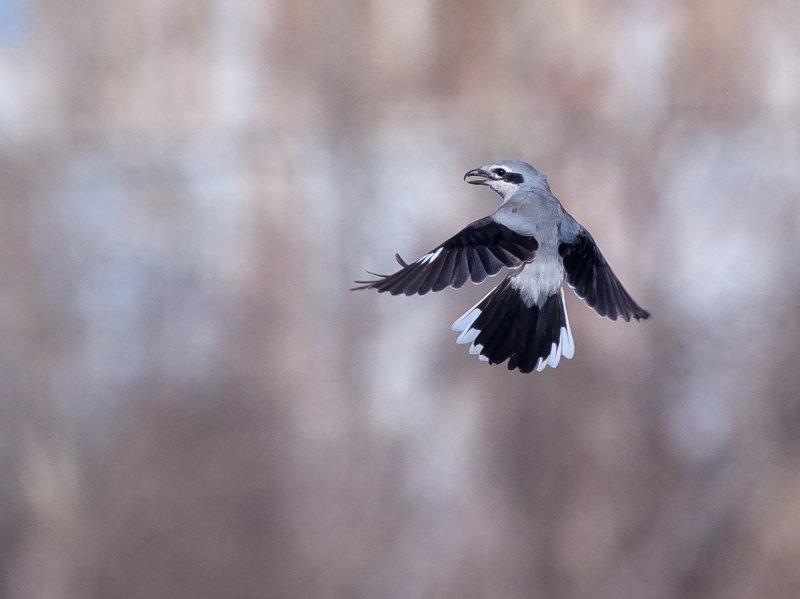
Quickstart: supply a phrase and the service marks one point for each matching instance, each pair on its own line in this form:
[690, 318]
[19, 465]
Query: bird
[522, 322]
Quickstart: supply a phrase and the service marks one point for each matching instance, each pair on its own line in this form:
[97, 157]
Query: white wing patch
[430, 257]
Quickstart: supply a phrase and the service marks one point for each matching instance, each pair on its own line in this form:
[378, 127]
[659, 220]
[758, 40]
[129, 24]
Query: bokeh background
[193, 403]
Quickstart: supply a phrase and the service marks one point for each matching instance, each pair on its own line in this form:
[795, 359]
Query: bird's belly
[539, 280]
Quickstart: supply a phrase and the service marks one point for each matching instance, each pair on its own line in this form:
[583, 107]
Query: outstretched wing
[594, 282]
[481, 249]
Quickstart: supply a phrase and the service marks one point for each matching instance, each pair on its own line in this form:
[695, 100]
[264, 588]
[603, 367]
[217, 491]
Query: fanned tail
[503, 327]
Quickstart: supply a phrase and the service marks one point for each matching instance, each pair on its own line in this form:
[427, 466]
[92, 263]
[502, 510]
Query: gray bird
[524, 319]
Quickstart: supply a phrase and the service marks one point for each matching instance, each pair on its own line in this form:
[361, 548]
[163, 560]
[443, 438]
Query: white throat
[504, 188]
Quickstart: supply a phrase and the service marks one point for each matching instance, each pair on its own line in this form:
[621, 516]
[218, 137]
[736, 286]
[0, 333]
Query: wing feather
[478, 251]
[594, 282]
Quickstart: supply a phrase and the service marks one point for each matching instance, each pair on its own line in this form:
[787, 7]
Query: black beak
[483, 176]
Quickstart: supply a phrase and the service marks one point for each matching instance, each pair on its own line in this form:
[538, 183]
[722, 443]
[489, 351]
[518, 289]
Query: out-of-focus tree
[196, 406]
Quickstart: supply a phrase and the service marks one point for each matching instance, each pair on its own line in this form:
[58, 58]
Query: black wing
[481, 249]
[592, 279]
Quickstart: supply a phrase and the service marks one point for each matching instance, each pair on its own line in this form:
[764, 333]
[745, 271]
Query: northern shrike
[524, 319]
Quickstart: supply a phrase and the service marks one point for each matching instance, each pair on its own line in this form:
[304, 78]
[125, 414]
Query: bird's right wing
[479, 250]
[594, 282]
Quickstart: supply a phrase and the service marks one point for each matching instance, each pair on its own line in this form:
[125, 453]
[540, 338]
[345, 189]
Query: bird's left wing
[479, 250]
[594, 282]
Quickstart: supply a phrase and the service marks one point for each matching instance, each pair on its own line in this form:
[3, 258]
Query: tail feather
[503, 327]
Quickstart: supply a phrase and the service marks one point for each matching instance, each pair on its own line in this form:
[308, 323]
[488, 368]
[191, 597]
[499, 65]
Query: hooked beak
[483, 176]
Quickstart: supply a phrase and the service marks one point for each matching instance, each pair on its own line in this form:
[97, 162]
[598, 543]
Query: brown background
[193, 404]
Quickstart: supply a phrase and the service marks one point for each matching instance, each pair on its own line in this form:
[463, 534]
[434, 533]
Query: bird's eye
[500, 172]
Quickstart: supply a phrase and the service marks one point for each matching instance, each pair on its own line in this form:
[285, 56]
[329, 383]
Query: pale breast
[540, 279]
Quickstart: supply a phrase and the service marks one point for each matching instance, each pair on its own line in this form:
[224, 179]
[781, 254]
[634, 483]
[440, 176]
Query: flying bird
[524, 319]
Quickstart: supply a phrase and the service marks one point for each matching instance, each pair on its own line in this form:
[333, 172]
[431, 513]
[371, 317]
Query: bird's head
[506, 176]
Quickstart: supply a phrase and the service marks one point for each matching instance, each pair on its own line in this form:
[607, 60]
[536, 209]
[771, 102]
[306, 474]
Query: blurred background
[193, 403]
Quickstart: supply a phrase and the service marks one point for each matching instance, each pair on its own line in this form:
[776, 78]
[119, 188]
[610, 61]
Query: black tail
[503, 327]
